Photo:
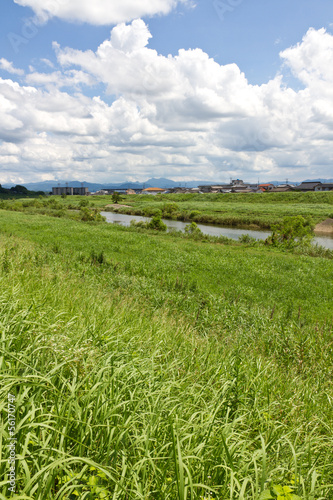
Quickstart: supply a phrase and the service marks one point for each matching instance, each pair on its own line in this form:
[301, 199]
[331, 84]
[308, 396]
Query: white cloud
[72, 78]
[311, 60]
[182, 116]
[99, 12]
[9, 67]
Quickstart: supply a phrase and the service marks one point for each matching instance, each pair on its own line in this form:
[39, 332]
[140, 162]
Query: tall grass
[132, 384]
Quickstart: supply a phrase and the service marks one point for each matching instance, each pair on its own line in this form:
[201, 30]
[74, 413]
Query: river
[229, 232]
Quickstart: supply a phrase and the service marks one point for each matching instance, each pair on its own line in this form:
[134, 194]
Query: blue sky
[181, 89]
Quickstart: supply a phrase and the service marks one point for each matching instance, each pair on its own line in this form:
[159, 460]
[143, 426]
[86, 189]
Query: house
[324, 186]
[266, 187]
[307, 186]
[235, 186]
[153, 191]
[283, 188]
[101, 192]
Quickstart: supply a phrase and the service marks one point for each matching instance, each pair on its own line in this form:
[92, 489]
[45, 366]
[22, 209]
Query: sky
[114, 91]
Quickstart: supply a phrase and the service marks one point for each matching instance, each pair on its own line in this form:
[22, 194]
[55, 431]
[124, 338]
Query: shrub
[84, 202]
[247, 239]
[194, 214]
[192, 229]
[90, 214]
[152, 212]
[157, 224]
[291, 232]
[169, 209]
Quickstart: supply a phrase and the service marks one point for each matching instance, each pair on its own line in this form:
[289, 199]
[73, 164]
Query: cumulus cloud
[9, 67]
[99, 12]
[74, 79]
[183, 116]
[311, 60]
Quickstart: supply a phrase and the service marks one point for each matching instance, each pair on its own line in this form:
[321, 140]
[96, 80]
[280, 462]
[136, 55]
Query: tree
[19, 189]
[116, 197]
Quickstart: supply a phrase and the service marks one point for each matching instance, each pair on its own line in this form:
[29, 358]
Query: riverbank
[257, 211]
[214, 231]
[325, 227]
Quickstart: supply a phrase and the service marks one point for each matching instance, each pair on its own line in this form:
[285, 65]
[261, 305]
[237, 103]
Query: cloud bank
[99, 12]
[183, 117]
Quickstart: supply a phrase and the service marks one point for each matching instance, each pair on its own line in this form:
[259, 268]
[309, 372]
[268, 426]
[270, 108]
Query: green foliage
[169, 210]
[116, 197]
[291, 232]
[277, 492]
[194, 214]
[149, 211]
[192, 229]
[83, 202]
[247, 240]
[157, 224]
[19, 189]
[90, 215]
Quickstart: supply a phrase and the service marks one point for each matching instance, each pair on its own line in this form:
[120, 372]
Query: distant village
[235, 186]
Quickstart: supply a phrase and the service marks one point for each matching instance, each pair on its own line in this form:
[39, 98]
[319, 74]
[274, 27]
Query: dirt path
[116, 205]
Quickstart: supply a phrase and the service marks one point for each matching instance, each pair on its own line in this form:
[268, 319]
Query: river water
[125, 220]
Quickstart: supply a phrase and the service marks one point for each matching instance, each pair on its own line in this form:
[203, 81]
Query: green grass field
[146, 366]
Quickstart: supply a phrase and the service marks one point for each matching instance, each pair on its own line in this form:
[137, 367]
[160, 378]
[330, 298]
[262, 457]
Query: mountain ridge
[161, 182]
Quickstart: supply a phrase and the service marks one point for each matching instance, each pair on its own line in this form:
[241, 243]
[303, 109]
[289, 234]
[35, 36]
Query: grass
[154, 368]
[234, 210]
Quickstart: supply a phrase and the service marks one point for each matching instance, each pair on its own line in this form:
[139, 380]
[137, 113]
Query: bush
[193, 229]
[247, 239]
[291, 232]
[90, 214]
[151, 212]
[157, 224]
[169, 209]
[194, 214]
[83, 203]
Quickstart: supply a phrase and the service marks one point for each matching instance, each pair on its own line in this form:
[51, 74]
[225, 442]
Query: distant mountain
[324, 181]
[276, 183]
[154, 182]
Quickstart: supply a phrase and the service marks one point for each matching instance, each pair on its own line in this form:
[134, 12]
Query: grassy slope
[164, 363]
